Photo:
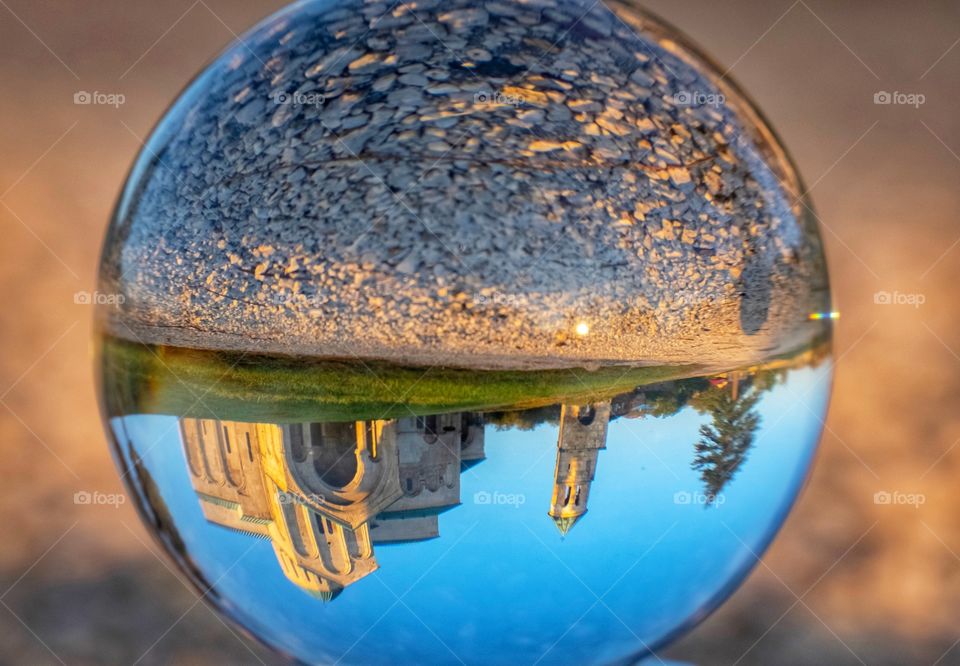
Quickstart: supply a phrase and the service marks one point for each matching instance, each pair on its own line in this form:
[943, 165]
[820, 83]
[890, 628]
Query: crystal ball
[400, 291]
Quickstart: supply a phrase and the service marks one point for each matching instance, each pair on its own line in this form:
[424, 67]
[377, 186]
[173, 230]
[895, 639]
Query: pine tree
[724, 444]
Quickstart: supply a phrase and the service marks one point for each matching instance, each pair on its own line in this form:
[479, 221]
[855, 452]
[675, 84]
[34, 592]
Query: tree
[526, 419]
[724, 444]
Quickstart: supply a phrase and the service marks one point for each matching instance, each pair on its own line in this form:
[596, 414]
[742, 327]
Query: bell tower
[583, 433]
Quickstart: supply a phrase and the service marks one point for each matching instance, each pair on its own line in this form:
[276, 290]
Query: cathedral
[324, 493]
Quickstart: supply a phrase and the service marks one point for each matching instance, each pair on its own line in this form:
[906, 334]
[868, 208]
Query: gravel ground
[468, 183]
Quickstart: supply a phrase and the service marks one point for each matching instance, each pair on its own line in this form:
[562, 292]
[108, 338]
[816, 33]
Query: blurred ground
[849, 580]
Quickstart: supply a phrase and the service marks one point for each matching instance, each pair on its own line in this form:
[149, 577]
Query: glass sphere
[400, 291]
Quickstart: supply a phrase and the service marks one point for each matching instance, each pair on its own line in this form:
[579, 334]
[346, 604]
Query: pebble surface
[519, 183]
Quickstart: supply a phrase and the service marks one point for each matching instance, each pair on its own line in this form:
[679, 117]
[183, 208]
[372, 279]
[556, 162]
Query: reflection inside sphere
[520, 184]
[477, 332]
[589, 530]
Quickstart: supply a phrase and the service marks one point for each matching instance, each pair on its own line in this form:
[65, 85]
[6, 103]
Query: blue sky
[501, 585]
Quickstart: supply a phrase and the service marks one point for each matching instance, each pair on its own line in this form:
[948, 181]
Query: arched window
[334, 448]
[430, 429]
[297, 447]
[321, 523]
[249, 447]
[585, 415]
[373, 444]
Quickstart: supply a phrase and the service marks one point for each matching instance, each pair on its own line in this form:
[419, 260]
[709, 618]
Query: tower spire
[583, 433]
[565, 524]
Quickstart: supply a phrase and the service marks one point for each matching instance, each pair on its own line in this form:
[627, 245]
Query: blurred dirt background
[849, 581]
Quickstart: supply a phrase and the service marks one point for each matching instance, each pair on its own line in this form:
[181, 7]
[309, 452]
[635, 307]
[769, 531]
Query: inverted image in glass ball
[373, 246]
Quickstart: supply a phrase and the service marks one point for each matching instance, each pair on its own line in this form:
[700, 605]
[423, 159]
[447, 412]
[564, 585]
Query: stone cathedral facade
[324, 493]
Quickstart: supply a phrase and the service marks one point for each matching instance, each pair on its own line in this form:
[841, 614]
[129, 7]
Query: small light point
[583, 329]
